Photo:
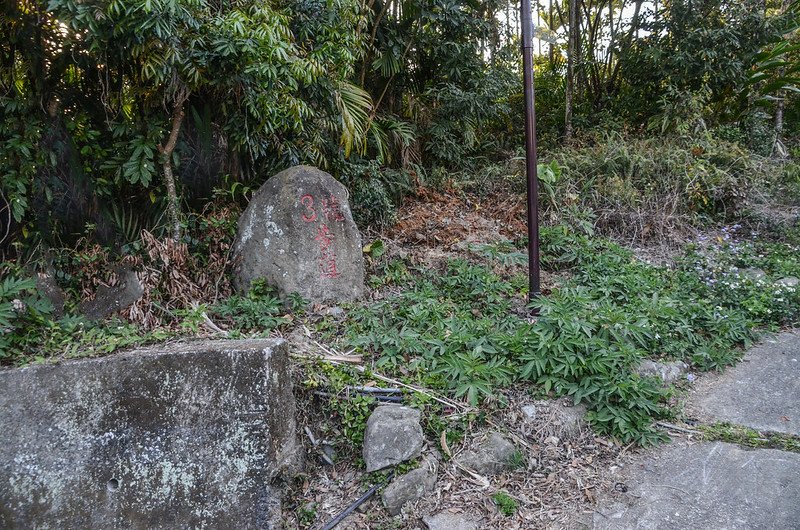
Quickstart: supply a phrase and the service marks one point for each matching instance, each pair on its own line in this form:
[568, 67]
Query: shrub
[647, 188]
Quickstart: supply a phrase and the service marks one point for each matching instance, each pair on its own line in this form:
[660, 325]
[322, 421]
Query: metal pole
[530, 151]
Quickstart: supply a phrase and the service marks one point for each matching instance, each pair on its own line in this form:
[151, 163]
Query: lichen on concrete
[186, 435]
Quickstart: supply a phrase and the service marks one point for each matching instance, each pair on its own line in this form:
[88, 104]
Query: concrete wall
[176, 436]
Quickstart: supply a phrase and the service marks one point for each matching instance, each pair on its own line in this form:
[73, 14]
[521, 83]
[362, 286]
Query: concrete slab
[762, 392]
[173, 436]
[712, 485]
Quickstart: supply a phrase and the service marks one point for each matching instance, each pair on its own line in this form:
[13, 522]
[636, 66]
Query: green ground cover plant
[30, 334]
[505, 503]
[461, 330]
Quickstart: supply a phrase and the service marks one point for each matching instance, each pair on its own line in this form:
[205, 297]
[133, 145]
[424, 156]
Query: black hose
[361, 500]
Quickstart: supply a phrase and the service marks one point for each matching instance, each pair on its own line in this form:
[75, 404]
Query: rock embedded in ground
[492, 456]
[449, 521]
[564, 420]
[172, 436]
[529, 411]
[789, 281]
[298, 234]
[47, 286]
[393, 436]
[112, 299]
[752, 273]
[411, 486]
[335, 312]
[667, 372]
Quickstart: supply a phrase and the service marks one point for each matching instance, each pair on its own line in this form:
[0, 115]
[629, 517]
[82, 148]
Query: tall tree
[572, 46]
[780, 104]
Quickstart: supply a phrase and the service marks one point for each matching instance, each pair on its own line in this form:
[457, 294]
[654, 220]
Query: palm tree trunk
[781, 103]
[570, 88]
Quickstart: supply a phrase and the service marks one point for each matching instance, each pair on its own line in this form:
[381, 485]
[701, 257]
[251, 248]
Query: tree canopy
[107, 104]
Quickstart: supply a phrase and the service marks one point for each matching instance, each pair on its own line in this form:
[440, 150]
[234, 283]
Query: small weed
[306, 514]
[748, 437]
[516, 460]
[505, 503]
[396, 272]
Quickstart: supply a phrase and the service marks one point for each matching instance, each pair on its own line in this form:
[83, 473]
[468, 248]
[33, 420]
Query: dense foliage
[102, 101]
[457, 329]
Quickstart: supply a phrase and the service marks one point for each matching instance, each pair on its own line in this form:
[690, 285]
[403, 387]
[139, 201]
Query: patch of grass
[505, 503]
[261, 310]
[646, 187]
[517, 460]
[737, 434]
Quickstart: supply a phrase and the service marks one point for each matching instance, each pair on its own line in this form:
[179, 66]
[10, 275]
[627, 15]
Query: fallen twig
[672, 427]
[210, 324]
[336, 358]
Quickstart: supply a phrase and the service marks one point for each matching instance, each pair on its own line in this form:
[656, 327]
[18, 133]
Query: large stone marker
[298, 234]
[179, 436]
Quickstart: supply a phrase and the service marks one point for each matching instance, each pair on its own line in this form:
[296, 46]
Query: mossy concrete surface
[176, 436]
[709, 485]
[715, 484]
[763, 391]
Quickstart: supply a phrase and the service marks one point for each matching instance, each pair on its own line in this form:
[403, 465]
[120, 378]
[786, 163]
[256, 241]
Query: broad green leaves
[275, 76]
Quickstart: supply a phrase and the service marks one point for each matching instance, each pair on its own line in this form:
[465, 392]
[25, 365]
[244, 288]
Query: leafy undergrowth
[460, 329]
[29, 333]
[464, 328]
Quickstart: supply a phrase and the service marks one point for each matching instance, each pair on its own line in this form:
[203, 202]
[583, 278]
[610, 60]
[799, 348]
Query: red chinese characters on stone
[332, 209]
[310, 215]
[327, 260]
[323, 236]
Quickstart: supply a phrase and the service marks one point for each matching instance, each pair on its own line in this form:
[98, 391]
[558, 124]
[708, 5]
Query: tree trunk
[550, 27]
[166, 150]
[570, 88]
[781, 103]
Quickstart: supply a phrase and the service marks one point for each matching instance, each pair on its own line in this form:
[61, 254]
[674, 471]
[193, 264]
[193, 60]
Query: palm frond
[354, 105]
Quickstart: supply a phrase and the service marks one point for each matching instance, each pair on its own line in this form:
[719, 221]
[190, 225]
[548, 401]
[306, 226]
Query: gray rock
[411, 486]
[491, 457]
[569, 422]
[298, 234]
[529, 411]
[393, 435]
[109, 300]
[172, 436]
[449, 521]
[335, 312]
[47, 286]
[789, 281]
[752, 273]
[667, 372]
